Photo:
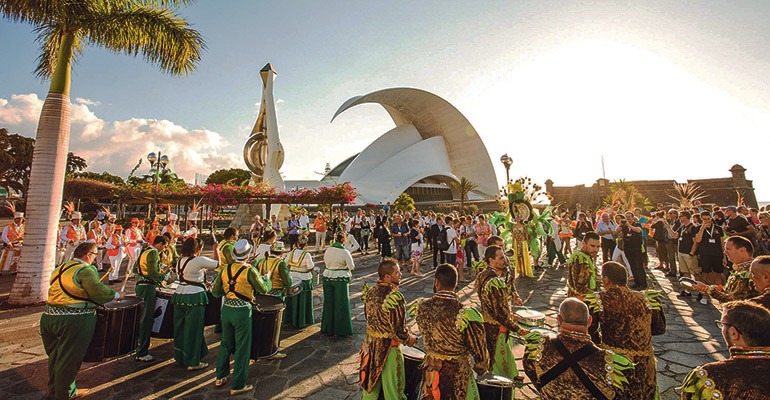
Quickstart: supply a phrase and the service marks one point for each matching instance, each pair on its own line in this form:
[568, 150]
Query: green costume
[278, 271]
[299, 308]
[190, 300]
[226, 256]
[241, 283]
[335, 317]
[149, 278]
[68, 322]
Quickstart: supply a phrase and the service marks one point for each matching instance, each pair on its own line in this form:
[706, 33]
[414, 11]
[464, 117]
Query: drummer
[226, 247]
[169, 256]
[96, 235]
[150, 277]
[13, 235]
[241, 283]
[276, 268]
[134, 240]
[190, 300]
[116, 252]
[496, 288]
[69, 319]
[299, 308]
[172, 229]
[268, 238]
[72, 235]
[382, 363]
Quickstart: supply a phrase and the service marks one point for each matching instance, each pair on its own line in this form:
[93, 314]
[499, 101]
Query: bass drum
[213, 310]
[495, 387]
[117, 329]
[266, 318]
[414, 371]
[163, 325]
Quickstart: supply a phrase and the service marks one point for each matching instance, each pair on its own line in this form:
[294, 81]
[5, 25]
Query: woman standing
[116, 251]
[763, 234]
[190, 302]
[415, 243]
[366, 233]
[335, 319]
[299, 308]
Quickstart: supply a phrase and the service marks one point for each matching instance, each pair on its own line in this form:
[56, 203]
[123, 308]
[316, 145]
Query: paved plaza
[319, 366]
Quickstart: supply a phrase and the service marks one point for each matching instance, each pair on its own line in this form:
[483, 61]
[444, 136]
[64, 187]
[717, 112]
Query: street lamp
[507, 161]
[158, 163]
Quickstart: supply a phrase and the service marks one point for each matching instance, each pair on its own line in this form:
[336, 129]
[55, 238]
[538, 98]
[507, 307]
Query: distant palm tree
[150, 28]
[465, 186]
[686, 194]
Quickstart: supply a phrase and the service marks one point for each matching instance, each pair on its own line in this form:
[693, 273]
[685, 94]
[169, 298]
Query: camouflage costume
[742, 376]
[582, 275]
[738, 287]
[763, 299]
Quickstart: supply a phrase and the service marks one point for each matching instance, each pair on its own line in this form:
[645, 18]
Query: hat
[76, 215]
[111, 217]
[278, 247]
[172, 217]
[134, 220]
[193, 216]
[18, 215]
[241, 249]
[732, 208]
[117, 228]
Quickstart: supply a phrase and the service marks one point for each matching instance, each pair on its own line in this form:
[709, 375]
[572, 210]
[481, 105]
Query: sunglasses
[721, 325]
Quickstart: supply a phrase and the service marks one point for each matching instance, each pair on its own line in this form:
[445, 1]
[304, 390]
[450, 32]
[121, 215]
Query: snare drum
[117, 329]
[530, 318]
[495, 387]
[266, 318]
[163, 326]
[295, 288]
[413, 358]
[9, 259]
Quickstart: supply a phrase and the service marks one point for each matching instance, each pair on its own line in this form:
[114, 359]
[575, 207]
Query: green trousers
[392, 380]
[335, 319]
[299, 308]
[147, 293]
[504, 363]
[236, 338]
[553, 253]
[189, 345]
[65, 339]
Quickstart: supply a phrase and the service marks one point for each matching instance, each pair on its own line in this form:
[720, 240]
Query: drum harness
[232, 280]
[62, 270]
[570, 361]
[180, 272]
[145, 280]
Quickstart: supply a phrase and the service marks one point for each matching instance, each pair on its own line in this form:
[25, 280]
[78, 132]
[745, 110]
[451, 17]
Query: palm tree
[464, 187]
[151, 28]
[686, 194]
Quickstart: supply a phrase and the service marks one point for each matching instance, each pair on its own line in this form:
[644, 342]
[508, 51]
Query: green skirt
[299, 308]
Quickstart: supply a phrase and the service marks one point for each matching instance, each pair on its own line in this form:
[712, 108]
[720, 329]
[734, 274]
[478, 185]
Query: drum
[117, 329]
[530, 318]
[413, 358]
[295, 288]
[213, 310]
[9, 259]
[266, 318]
[495, 387]
[163, 326]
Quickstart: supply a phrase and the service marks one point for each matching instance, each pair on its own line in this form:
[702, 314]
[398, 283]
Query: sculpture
[263, 152]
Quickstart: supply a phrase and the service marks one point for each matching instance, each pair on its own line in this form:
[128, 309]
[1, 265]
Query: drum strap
[570, 361]
[63, 269]
[180, 272]
[231, 280]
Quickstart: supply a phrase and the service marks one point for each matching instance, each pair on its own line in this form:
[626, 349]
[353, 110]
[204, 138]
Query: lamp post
[507, 161]
[158, 163]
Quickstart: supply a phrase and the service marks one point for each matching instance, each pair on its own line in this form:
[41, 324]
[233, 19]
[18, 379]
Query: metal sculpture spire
[263, 152]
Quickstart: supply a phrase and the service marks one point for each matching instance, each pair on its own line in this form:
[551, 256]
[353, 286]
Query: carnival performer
[192, 228]
[299, 308]
[169, 256]
[116, 251]
[108, 226]
[172, 228]
[190, 300]
[452, 333]
[276, 268]
[72, 235]
[153, 231]
[13, 236]
[746, 330]
[382, 362]
[134, 242]
[521, 256]
[150, 277]
[335, 318]
[496, 289]
[237, 282]
[69, 319]
[226, 246]
[570, 365]
[96, 235]
[760, 276]
[627, 320]
[269, 237]
[582, 272]
[738, 249]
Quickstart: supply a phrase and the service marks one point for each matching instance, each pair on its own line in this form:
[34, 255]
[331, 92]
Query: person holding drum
[263, 250]
[237, 282]
[13, 235]
[169, 256]
[581, 273]
[150, 277]
[116, 251]
[69, 319]
[335, 318]
[451, 333]
[226, 247]
[134, 241]
[299, 308]
[496, 288]
[172, 228]
[190, 300]
[96, 235]
[276, 268]
[382, 362]
[570, 365]
[72, 235]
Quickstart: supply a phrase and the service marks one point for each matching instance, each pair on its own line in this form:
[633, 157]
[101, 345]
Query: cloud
[116, 146]
[87, 102]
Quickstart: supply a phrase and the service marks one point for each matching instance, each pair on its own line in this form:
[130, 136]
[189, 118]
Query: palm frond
[687, 194]
[160, 35]
[9, 206]
[35, 12]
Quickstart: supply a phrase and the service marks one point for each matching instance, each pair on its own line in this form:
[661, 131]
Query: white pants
[69, 250]
[115, 263]
[620, 257]
[133, 256]
[320, 240]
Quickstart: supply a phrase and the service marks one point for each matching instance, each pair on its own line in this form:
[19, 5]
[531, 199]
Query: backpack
[442, 242]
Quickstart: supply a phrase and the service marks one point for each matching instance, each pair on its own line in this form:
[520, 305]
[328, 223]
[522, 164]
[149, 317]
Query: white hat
[18, 215]
[241, 249]
[172, 217]
[76, 215]
[193, 216]
[278, 247]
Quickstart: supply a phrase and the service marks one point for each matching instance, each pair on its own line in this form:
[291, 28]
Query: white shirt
[339, 263]
[303, 270]
[451, 235]
[5, 233]
[194, 271]
[261, 250]
[304, 221]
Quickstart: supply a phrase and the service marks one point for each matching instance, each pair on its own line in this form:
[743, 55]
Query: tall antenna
[604, 174]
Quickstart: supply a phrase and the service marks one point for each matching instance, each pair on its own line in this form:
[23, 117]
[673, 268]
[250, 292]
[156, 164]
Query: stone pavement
[322, 367]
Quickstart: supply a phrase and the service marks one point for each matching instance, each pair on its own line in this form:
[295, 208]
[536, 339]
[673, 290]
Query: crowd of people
[603, 348]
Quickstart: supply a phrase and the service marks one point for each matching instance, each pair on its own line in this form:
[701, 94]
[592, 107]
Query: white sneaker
[704, 301]
[146, 358]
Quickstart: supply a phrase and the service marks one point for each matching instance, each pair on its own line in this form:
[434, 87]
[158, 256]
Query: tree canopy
[231, 176]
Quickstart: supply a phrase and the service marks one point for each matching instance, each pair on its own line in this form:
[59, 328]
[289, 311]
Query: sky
[659, 89]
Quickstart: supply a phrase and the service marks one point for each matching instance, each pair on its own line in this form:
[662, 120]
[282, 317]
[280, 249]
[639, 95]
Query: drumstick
[106, 274]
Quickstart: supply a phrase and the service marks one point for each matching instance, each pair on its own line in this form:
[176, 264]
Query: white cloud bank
[117, 146]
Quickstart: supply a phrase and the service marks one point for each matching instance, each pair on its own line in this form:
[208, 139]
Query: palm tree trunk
[46, 185]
